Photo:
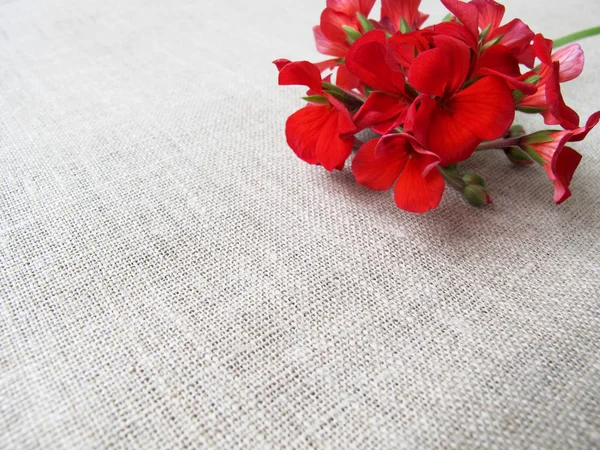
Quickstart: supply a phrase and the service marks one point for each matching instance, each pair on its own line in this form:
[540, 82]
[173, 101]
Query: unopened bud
[518, 156]
[474, 179]
[476, 195]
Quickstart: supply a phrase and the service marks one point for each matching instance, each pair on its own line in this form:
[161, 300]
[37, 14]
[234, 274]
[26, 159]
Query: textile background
[171, 275]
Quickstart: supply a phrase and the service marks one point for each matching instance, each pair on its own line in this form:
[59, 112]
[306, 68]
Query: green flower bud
[476, 195]
[518, 156]
[474, 179]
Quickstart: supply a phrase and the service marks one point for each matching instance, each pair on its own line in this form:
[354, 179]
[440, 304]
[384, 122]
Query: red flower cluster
[433, 96]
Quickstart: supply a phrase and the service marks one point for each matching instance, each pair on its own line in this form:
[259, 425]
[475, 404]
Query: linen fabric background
[172, 276]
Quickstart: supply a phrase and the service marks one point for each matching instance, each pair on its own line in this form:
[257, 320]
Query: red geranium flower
[549, 148]
[321, 133]
[449, 118]
[401, 159]
[564, 65]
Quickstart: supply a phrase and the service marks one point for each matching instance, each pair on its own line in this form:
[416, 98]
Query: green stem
[452, 179]
[576, 36]
[498, 144]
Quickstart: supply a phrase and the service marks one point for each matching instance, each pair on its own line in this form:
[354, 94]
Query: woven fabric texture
[172, 276]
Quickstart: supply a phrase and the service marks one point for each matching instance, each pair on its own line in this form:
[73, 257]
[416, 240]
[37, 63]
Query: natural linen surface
[171, 275]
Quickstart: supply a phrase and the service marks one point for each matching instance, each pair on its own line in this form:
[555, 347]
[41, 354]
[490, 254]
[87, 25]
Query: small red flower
[548, 99]
[448, 118]
[400, 159]
[321, 133]
[549, 148]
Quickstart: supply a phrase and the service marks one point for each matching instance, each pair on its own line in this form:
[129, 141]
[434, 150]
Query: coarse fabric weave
[172, 276]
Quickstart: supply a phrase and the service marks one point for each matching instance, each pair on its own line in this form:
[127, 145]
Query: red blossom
[560, 161]
[449, 119]
[320, 134]
[400, 159]
[548, 99]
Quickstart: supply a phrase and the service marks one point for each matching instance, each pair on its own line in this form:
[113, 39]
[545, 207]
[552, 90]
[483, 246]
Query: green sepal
[517, 156]
[516, 131]
[533, 79]
[517, 95]
[484, 33]
[404, 26]
[447, 18]
[492, 42]
[319, 99]
[529, 109]
[349, 100]
[364, 23]
[534, 155]
[351, 34]
[539, 137]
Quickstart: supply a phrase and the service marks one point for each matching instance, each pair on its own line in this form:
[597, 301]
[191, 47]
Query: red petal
[566, 116]
[346, 80]
[329, 64]
[395, 10]
[516, 35]
[457, 31]
[302, 131]
[449, 138]
[581, 133]
[563, 168]
[543, 49]
[403, 48]
[332, 150]
[513, 83]
[281, 63]
[420, 186]
[486, 108]
[332, 22]
[327, 47]
[301, 73]
[312, 133]
[351, 7]
[367, 60]
[466, 13]
[441, 70]
[571, 61]
[490, 13]
[501, 59]
[378, 173]
[378, 108]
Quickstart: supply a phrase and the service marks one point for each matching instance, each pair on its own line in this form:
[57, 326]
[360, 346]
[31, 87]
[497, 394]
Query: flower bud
[474, 179]
[517, 156]
[476, 195]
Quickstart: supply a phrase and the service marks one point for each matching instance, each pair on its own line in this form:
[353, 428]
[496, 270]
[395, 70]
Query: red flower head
[449, 118]
[549, 149]
[400, 159]
[321, 133]
[564, 65]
